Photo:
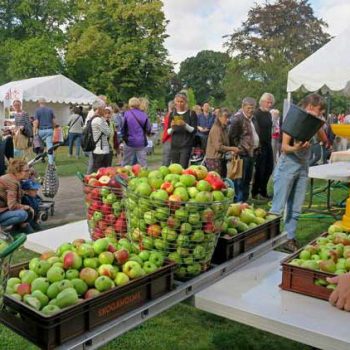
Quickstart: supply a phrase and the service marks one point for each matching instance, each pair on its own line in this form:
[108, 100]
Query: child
[32, 199]
[291, 173]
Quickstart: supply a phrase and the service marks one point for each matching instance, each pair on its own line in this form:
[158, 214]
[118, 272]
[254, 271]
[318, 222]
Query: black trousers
[181, 156]
[101, 161]
[263, 170]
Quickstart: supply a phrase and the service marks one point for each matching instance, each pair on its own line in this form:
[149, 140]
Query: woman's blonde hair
[144, 104]
[16, 166]
[134, 102]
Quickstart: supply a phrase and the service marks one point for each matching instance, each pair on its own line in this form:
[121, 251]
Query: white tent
[327, 69]
[59, 92]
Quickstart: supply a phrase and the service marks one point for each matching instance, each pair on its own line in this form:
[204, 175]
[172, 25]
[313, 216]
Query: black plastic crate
[48, 332]
[231, 247]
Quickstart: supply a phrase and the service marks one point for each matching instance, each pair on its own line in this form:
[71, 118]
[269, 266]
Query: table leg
[311, 192]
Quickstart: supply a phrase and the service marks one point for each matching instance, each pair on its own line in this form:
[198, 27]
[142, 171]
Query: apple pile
[242, 217]
[103, 198]
[80, 270]
[179, 213]
[330, 253]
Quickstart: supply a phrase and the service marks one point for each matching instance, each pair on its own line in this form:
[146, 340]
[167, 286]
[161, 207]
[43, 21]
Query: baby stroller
[50, 180]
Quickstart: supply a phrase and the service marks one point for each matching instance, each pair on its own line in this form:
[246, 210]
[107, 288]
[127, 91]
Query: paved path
[69, 203]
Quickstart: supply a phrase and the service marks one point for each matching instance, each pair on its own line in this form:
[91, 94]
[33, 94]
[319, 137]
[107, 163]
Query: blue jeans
[290, 184]
[242, 185]
[13, 217]
[72, 136]
[46, 136]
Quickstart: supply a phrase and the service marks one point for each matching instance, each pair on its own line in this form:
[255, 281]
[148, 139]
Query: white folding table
[251, 295]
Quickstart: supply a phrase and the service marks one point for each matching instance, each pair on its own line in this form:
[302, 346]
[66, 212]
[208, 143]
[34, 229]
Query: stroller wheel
[44, 216]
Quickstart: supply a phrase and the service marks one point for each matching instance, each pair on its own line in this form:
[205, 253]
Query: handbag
[235, 168]
[38, 145]
[51, 182]
[20, 141]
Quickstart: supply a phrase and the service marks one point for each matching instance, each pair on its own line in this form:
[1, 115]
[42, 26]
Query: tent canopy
[327, 69]
[54, 88]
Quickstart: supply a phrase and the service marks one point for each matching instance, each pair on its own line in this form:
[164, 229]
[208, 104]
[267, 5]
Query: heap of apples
[80, 270]
[178, 212]
[103, 198]
[242, 217]
[330, 253]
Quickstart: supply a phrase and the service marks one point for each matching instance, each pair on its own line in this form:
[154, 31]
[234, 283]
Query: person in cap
[32, 199]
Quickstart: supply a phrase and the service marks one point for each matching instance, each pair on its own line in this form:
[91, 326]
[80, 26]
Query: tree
[204, 74]
[273, 39]
[117, 48]
[32, 37]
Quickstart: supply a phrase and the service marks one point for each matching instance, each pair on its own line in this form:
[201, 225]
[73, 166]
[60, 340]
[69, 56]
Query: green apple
[80, 286]
[106, 258]
[181, 214]
[91, 262]
[40, 283]
[100, 245]
[134, 257]
[305, 255]
[64, 284]
[147, 243]
[194, 269]
[71, 274]
[63, 248]
[55, 274]
[67, 297]
[86, 250]
[150, 217]
[182, 240]
[199, 252]
[175, 168]
[310, 264]
[181, 272]
[43, 298]
[183, 252]
[13, 281]
[71, 260]
[133, 269]
[175, 257]
[27, 276]
[197, 236]
[160, 244]
[328, 266]
[16, 296]
[103, 283]
[156, 258]
[88, 275]
[121, 279]
[107, 270]
[42, 267]
[50, 310]
[144, 255]
[53, 290]
[194, 219]
[192, 191]
[149, 267]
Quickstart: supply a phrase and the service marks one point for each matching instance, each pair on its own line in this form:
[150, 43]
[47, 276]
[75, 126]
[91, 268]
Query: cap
[30, 185]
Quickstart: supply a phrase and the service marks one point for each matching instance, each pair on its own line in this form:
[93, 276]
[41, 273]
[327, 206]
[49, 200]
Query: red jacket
[166, 137]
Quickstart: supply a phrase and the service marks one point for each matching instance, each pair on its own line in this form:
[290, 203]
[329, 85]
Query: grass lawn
[69, 166]
[184, 327]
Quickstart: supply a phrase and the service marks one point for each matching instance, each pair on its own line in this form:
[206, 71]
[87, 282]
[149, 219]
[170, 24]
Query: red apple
[168, 187]
[106, 208]
[136, 169]
[154, 230]
[121, 256]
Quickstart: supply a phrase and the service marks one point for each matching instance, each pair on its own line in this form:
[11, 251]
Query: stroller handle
[19, 240]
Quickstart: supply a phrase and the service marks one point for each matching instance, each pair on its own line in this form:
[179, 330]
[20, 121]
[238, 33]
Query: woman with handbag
[218, 144]
[23, 131]
[75, 131]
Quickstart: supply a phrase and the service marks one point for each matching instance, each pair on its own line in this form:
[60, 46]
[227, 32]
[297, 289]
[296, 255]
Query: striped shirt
[101, 127]
[22, 119]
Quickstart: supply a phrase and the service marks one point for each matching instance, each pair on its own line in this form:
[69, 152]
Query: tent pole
[289, 96]
[329, 100]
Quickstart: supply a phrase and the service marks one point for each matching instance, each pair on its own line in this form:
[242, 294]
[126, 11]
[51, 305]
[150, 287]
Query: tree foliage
[274, 38]
[204, 73]
[117, 48]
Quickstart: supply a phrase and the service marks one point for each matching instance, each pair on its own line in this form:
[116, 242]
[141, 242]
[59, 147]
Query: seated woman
[12, 212]
[218, 144]
[31, 198]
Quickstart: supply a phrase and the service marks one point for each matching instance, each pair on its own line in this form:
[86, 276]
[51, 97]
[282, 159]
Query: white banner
[11, 95]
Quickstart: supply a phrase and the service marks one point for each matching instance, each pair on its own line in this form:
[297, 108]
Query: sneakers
[259, 197]
[291, 246]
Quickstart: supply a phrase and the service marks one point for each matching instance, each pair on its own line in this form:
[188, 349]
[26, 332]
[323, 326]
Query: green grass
[69, 166]
[184, 327]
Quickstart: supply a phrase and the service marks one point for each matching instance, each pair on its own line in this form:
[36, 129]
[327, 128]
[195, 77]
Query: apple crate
[228, 247]
[184, 232]
[305, 281]
[105, 211]
[48, 332]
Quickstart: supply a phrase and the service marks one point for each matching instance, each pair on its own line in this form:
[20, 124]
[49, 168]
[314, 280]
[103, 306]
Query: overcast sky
[197, 25]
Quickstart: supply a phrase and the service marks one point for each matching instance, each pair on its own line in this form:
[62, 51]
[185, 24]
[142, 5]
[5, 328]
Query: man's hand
[299, 145]
[340, 297]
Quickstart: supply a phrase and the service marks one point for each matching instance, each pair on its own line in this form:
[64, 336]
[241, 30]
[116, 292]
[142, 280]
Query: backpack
[87, 140]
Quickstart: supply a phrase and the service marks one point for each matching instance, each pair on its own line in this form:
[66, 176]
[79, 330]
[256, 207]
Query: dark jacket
[264, 121]
[181, 137]
[241, 134]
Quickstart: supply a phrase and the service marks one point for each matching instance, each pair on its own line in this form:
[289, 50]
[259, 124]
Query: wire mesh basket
[7, 246]
[105, 211]
[183, 232]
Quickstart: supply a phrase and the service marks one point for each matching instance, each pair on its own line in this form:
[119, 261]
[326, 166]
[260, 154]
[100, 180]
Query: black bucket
[301, 125]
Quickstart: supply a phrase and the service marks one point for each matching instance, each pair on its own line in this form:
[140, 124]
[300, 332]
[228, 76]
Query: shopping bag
[235, 168]
[20, 141]
[51, 182]
[38, 145]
